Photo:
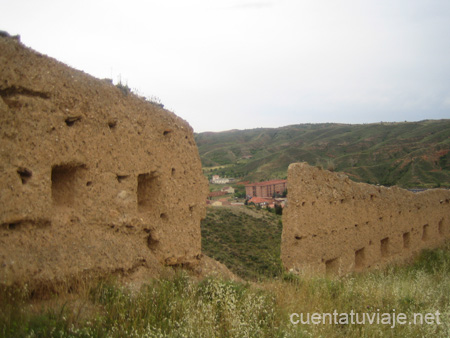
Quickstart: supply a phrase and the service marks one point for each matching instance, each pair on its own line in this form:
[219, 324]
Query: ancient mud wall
[334, 225]
[92, 178]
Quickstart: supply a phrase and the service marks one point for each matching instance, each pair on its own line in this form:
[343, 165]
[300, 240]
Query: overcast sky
[238, 64]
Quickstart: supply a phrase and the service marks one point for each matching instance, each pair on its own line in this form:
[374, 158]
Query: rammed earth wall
[93, 178]
[334, 225]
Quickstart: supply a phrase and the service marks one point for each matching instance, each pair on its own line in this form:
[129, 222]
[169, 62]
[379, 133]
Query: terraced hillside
[408, 154]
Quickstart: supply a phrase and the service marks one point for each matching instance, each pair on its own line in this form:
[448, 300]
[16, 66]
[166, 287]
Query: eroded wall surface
[92, 178]
[334, 225]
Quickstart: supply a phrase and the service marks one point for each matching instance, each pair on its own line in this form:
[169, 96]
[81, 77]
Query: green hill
[408, 154]
[246, 240]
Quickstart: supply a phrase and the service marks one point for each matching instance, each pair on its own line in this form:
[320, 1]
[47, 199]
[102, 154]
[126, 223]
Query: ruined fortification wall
[334, 225]
[92, 179]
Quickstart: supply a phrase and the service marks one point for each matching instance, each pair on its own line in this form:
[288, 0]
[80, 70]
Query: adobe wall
[92, 179]
[334, 225]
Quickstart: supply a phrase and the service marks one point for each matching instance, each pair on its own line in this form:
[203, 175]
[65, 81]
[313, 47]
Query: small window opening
[384, 245]
[332, 266]
[360, 258]
[70, 121]
[24, 174]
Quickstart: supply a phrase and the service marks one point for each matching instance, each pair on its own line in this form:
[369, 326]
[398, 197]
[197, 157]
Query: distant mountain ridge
[408, 154]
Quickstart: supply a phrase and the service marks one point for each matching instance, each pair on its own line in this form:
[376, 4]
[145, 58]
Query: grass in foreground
[176, 307]
[182, 307]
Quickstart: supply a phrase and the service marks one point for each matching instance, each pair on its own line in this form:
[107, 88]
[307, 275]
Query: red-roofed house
[217, 193]
[265, 189]
[261, 201]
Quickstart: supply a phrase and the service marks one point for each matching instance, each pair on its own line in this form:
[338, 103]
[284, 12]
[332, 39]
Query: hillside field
[407, 154]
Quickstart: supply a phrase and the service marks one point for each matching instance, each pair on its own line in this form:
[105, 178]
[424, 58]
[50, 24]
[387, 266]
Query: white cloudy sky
[236, 64]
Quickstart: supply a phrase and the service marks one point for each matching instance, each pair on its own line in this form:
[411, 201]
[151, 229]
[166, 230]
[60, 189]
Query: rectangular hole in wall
[332, 266]
[384, 247]
[441, 227]
[66, 181]
[406, 240]
[121, 178]
[360, 259]
[25, 174]
[25, 223]
[425, 232]
[147, 191]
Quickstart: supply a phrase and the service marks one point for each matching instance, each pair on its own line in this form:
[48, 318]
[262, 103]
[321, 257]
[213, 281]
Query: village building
[262, 202]
[217, 193]
[265, 189]
[228, 190]
[216, 179]
[280, 201]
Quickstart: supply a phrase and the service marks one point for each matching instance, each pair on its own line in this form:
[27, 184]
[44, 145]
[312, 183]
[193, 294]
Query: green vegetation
[182, 307]
[409, 154]
[247, 241]
[174, 307]
[123, 88]
[239, 191]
